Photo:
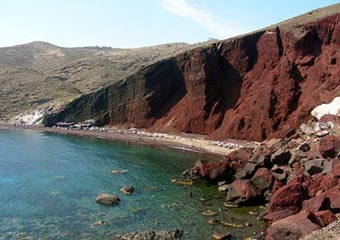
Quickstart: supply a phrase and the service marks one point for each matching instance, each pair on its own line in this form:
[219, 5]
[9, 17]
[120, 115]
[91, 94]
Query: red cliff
[252, 87]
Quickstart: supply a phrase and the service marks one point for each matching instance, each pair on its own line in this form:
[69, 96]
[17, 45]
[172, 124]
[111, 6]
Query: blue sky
[136, 23]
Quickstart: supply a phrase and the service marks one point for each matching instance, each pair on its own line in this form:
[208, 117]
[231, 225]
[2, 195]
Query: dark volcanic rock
[252, 87]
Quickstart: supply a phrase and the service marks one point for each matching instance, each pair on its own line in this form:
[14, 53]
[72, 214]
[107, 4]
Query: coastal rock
[127, 190]
[277, 215]
[325, 217]
[157, 235]
[262, 179]
[315, 204]
[293, 227]
[215, 171]
[281, 157]
[242, 191]
[97, 223]
[333, 195]
[221, 235]
[247, 171]
[330, 120]
[314, 166]
[304, 147]
[329, 146]
[107, 199]
[322, 133]
[308, 130]
[289, 196]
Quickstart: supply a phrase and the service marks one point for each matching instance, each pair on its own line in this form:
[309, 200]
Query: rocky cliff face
[252, 87]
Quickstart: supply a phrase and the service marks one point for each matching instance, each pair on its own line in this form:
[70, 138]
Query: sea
[49, 183]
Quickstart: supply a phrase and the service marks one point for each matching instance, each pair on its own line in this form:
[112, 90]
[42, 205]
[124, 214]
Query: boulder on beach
[107, 199]
[242, 191]
[293, 227]
[329, 146]
[289, 197]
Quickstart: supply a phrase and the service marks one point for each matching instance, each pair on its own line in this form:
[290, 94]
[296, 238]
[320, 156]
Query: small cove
[49, 183]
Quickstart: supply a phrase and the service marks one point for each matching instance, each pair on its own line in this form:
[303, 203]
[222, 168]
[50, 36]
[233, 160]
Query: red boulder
[243, 191]
[214, 170]
[329, 146]
[289, 196]
[333, 196]
[325, 217]
[315, 204]
[293, 227]
[262, 179]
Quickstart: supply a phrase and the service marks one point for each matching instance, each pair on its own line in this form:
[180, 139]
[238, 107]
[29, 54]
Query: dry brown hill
[40, 74]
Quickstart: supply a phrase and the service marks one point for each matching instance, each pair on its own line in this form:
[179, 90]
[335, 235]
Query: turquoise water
[49, 182]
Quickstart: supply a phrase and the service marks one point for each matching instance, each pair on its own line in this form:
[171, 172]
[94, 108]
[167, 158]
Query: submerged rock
[127, 190]
[107, 199]
[221, 235]
[156, 235]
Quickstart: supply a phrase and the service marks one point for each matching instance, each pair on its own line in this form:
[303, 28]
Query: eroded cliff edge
[253, 87]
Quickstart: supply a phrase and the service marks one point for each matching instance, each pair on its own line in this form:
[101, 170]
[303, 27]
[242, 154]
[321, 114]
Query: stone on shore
[107, 199]
[243, 191]
[214, 171]
[262, 179]
[314, 166]
[331, 120]
[325, 217]
[333, 195]
[329, 146]
[314, 204]
[293, 227]
[289, 197]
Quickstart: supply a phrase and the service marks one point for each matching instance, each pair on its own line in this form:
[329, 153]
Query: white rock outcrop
[32, 118]
[328, 108]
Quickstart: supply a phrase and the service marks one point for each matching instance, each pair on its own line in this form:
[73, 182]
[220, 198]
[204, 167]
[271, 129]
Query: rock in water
[159, 235]
[127, 190]
[107, 199]
[221, 235]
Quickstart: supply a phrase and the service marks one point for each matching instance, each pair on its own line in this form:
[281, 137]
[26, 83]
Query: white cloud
[217, 26]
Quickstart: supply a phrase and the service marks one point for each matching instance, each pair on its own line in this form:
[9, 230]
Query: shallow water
[49, 182]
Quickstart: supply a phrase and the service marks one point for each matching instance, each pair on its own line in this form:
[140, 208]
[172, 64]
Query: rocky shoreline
[183, 142]
[296, 177]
